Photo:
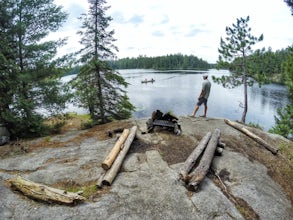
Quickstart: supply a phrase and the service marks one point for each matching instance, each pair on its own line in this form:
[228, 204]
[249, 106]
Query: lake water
[177, 91]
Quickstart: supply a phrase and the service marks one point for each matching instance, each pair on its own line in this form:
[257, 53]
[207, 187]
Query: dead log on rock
[193, 157]
[197, 175]
[115, 150]
[44, 193]
[112, 172]
[251, 135]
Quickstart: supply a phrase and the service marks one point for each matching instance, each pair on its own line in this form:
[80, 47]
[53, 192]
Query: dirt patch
[88, 190]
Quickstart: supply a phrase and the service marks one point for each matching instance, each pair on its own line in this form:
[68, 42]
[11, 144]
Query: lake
[177, 91]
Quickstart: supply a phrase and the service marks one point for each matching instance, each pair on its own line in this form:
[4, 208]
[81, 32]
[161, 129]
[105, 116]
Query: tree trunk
[251, 135]
[193, 157]
[243, 118]
[44, 193]
[112, 172]
[115, 150]
[202, 169]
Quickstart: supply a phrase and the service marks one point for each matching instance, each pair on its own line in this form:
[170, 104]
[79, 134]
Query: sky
[190, 27]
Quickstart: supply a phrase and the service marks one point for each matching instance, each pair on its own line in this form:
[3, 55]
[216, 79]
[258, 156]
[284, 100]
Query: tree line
[168, 62]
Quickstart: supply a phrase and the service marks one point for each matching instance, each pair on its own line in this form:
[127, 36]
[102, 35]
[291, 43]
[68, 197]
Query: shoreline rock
[147, 186]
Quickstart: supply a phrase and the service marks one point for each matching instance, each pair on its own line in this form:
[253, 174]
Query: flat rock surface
[245, 182]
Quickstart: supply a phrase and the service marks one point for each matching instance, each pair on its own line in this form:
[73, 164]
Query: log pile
[44, 193]
[200, 160]
[117, 158]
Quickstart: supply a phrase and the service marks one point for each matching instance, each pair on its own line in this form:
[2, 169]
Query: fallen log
[193, 157]
[251, 135]
[199, 173]
[107, 163]
[112, 172]
[44, 193]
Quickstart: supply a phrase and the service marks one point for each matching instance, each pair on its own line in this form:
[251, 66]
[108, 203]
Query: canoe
[147, 81]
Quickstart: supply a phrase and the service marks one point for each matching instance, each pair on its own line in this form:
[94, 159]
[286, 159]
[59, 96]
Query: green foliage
[99, 88]
[234, 50]
[169, 62]
[266, 66]
[284, 119]
[28, 72]
[251, 124]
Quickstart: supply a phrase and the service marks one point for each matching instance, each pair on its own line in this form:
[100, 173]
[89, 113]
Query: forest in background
[263, 63]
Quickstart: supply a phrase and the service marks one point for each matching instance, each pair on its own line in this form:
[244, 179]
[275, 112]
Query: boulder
[4, 135]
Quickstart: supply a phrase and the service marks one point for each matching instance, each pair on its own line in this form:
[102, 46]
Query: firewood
[112, 172]
[115, 150]
[193, 157]
[251, 135]
[44, 193]
[199, 173]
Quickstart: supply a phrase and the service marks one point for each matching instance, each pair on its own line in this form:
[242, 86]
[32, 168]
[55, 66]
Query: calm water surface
[177, 91]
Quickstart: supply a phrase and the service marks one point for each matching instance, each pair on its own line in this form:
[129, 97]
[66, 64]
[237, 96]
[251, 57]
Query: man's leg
[195, 110]
[205, 110]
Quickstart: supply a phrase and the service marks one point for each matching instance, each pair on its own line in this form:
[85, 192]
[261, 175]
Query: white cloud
[160, 27]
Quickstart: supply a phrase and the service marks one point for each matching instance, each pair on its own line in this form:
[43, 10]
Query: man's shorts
[202, 100]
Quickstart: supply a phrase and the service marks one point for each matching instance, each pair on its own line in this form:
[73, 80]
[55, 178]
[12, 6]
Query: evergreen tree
[99, 88]
[284, 119]
[290, 4]
[27, 70]
[236, 47]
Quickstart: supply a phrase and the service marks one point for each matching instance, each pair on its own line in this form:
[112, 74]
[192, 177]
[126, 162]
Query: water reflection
[177, 91]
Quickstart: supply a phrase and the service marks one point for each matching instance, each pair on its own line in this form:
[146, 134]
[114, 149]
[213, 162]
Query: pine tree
[236, 47]
[98, 87]
[28, 71]
[284, 119]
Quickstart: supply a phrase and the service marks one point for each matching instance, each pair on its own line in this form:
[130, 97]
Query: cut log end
[194, 186]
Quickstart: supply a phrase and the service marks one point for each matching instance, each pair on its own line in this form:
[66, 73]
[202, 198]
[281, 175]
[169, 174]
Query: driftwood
[115, 150]
[44, 193]
[112, 172]
[193, 157]
[199, 173]
[251, 135]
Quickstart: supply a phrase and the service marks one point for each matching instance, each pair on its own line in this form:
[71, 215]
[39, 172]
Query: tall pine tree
[98, 87]
[28, 71]
[236, 47]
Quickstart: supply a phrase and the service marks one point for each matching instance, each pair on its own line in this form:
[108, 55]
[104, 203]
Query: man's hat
[205, 75]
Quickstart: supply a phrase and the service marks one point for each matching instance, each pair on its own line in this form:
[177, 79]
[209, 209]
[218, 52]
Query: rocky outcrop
[243, 182]
[4, 135]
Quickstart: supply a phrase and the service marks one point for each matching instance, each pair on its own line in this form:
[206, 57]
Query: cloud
[158, 34]
[136, 20]
[194, 32]
[160, 27]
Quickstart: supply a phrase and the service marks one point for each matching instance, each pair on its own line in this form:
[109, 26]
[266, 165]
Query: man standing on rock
[204, 95]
